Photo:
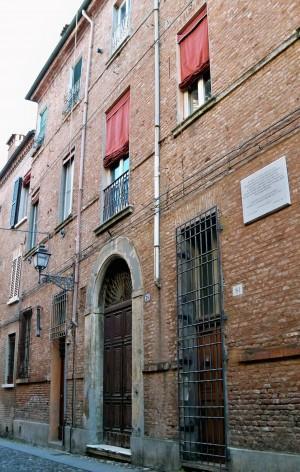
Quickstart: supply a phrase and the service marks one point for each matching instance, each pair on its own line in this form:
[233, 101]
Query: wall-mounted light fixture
[40, 261]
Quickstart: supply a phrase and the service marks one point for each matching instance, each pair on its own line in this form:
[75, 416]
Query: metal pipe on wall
[156, 146]
[79, 205]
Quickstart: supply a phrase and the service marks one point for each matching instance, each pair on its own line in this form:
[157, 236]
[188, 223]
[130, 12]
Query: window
[117, 157]
[67, 189]
[41, 128]
[15, 276]
[197, 94]
[59, 316]
[32, 235]
[10, 359]
[195, 83]
[73, 94]
[19, 200]
[120, 23]
[24, 344]
[201, 389]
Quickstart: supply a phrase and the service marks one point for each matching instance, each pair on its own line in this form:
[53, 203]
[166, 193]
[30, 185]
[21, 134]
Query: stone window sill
[113, 220]
[68, 113]
[22, 381]
[20, 222]
[117, 51]
[64, 223]
[194, 116]
[12, 301]
[8, 385]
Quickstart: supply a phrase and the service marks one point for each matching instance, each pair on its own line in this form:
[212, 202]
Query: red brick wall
[263, 256]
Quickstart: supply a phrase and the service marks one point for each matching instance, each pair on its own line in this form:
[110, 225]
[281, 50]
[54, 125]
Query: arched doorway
[117, 357]
[119, 250]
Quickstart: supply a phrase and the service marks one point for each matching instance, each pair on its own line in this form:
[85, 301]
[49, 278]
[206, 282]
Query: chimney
[13, 143]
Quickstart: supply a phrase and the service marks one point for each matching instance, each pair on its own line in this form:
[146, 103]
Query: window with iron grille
[59, 316]
[15, 276]
[10, 359]
[201, 391]
[24, 344]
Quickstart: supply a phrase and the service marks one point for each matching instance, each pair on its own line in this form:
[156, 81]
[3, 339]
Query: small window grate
[58, 327]
[201, 390]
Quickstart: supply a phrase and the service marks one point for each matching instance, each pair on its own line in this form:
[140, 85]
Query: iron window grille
[116, 196]
[200, 341]
[24, 344]
[58, 327]
[11, 359]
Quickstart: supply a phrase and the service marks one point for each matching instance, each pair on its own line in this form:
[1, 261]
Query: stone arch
[122, 248]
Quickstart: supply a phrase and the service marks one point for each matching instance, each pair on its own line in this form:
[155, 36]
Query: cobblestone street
[16, 456]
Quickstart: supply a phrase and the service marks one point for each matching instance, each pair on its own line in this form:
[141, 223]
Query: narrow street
[15, 456]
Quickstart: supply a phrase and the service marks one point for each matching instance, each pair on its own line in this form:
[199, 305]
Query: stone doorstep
[190, 466]
[109, 452]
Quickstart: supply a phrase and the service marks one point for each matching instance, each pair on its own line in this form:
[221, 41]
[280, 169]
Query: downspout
[79, 206]
[156, 147]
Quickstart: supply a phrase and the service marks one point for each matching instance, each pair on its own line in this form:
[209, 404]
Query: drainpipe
[79, 205]
[157, 148]
[81, 169]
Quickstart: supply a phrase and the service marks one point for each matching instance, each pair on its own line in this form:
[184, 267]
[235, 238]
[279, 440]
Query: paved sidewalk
[16, 456]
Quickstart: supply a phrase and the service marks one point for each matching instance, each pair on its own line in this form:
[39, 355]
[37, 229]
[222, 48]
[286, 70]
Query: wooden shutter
[15, 202]
[15, 275]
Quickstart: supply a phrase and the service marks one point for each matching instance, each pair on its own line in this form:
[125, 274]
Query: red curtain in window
[194, 53]
[117, 130]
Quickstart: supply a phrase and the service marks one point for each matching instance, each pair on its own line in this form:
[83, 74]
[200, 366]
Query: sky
[29, 31]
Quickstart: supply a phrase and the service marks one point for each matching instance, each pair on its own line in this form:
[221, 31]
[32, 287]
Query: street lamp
[40, 261]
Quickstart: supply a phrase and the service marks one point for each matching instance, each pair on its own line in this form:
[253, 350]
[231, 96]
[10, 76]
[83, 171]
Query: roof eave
[56, 51]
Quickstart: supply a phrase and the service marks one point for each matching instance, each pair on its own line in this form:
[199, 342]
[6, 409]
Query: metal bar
[200, 341]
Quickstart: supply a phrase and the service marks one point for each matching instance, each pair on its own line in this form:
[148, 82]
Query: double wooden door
[117, 374]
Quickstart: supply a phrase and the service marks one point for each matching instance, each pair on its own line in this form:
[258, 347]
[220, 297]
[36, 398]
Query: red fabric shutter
[117, 130]
[194, 52]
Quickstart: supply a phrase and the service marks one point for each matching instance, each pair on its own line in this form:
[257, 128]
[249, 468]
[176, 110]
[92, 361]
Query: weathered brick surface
[227, 143]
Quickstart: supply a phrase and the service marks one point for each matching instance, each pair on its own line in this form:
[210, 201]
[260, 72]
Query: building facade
[164, 182]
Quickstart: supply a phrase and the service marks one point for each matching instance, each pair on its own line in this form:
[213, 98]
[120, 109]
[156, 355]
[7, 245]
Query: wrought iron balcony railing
[72, 97]
[116, 197]
[120, 33]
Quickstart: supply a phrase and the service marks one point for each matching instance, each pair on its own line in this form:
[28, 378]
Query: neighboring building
[14, 190]
[173, 206]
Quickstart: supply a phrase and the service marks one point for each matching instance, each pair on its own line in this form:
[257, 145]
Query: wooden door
[117, 374]
[210, 396]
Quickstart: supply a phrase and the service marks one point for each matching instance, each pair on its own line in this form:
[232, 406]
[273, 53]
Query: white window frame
[15, 276]
[32, 235]
[120, 32]
[41, 133]
[187, 98]
[23, 205]
[122, 170]
[68, 166]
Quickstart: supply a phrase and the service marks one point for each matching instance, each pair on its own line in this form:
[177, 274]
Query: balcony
[120, 33]
[71, 98]
[116, 197]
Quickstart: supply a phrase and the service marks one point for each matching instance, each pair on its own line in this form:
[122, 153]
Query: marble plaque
[265, 191]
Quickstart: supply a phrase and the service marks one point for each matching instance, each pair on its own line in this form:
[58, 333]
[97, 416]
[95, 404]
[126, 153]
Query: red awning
[194, 52]
[117, 130]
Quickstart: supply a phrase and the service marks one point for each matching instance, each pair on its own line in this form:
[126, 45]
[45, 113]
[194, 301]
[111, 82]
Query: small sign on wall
[265, 191]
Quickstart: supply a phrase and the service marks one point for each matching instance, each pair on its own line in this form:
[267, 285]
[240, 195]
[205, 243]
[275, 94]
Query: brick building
[164, 181]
